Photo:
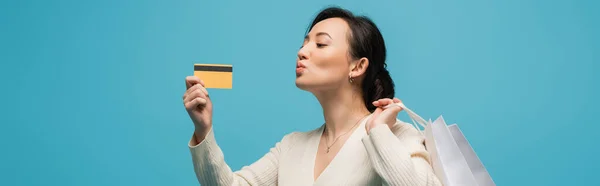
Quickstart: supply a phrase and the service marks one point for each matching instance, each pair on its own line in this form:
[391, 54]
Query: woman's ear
[359, 67]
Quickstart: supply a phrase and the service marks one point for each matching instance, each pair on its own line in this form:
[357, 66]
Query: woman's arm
[211, 169]
[398, 155]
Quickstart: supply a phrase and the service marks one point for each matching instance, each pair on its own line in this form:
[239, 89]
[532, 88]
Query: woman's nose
[302, 54]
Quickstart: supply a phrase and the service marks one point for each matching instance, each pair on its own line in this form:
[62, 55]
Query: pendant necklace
[327, 139]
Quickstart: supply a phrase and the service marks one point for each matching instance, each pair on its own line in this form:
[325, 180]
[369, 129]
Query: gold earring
[351, 79]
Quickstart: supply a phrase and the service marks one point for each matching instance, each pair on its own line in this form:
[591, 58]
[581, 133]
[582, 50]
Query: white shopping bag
[482, 176]
[453, 159]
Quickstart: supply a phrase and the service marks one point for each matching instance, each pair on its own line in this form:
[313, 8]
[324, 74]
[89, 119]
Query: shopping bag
[482, 176]
[452, 158]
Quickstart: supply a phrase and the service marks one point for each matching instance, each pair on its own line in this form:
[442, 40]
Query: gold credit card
[215, 75]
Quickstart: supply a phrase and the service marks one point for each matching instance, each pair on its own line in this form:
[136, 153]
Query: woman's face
[323, 61]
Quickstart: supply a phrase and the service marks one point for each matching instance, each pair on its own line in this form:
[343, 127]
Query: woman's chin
[302, 83]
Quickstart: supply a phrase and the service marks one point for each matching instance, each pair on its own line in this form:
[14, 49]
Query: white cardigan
[384, 157]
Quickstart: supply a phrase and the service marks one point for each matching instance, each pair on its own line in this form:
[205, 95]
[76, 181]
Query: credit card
[218, 76]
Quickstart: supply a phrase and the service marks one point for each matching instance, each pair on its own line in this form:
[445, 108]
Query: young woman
[341, 62]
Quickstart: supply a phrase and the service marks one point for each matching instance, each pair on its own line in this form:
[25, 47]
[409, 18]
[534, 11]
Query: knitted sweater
[385, 156]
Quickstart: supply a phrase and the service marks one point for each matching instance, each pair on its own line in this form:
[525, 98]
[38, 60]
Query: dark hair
[365, 41]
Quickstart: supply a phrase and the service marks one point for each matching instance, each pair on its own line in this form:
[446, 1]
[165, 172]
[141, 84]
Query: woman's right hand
[198, 105]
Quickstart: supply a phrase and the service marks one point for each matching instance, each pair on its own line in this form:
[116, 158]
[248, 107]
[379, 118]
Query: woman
[342, 62]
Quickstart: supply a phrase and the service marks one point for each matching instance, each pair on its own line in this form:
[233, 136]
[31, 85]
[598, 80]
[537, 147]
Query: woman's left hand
[384, 115]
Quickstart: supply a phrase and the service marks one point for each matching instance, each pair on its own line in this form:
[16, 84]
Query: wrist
[200, 133]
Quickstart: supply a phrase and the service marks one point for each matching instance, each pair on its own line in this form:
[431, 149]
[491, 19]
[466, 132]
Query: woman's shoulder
[303, 135]
[296, 137]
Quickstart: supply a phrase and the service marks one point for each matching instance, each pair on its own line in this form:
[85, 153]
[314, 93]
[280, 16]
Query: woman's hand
[198, 105]
[384, 115]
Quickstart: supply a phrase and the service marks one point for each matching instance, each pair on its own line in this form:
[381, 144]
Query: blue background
[91, 90]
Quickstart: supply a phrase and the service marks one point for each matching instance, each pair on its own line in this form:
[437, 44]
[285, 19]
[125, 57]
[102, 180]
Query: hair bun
[382, 87]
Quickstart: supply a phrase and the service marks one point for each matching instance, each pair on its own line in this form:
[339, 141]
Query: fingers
[190, 90]
[198, 93]
[396, 101]
[191, 81]
[195, 103]
[387, 103]
[383, 102]
[196, 87]
[195, 98]
[195, 95]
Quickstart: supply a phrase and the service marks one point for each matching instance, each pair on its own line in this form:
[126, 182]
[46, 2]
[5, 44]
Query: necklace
[327, 139]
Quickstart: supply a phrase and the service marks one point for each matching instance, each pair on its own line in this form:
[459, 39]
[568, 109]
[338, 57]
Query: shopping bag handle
[416, 119]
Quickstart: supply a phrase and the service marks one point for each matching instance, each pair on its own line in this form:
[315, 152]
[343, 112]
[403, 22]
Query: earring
[351, 79]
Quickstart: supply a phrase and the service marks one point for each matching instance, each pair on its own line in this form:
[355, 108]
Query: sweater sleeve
[398, 155]
[211, 169]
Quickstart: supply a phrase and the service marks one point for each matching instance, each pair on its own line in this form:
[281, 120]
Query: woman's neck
[342, 109]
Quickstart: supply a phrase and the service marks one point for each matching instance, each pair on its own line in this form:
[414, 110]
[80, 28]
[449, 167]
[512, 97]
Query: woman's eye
[321, 45]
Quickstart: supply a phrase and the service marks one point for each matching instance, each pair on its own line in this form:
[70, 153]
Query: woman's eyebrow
[318, 34]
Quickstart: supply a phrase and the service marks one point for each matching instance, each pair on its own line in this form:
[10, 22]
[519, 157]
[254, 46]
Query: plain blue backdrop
[91, 90]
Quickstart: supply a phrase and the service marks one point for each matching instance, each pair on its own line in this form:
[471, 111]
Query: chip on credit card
[218, 76]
